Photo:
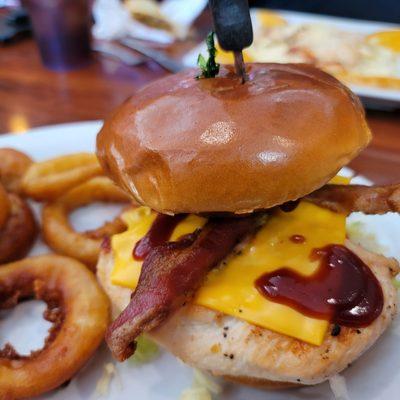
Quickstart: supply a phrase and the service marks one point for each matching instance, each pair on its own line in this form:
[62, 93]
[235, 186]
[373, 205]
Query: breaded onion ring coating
[4, 206]
[19, 232]
[58, 232]
[13, 165]
[107, 229]
[78, 309]
[47, 180]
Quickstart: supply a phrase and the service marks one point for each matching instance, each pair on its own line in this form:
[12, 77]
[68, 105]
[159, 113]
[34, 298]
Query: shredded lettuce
[200, 379]
[102, 385]
[146, 351]
[357, 232]
[196, 394]
[339, 387]
[396, 283]
[204, 387]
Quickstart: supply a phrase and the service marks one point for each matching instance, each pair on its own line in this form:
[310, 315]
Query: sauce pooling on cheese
[343, 289]
[159, 233]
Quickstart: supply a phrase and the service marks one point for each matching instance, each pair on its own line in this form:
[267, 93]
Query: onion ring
[47, 180]
[78, 309]
[61, 237]
[13, 165]
[18, 232]
[107, 229]
[4, 206]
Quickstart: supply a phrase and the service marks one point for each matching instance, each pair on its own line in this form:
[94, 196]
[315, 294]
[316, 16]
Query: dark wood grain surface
[32, 96]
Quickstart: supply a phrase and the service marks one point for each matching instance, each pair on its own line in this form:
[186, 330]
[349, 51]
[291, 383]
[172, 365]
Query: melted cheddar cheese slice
[230, 288]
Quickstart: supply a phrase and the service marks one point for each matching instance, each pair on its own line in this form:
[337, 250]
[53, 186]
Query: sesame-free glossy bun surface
[183, 144]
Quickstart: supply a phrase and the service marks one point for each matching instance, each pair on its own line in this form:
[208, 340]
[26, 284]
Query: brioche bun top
[186, 145]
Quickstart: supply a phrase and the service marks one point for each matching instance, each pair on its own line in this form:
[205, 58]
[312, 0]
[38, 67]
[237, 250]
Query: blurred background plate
[372, 97]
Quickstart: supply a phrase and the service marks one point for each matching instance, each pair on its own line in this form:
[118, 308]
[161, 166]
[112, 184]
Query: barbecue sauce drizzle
[342, 290]
[159, 233]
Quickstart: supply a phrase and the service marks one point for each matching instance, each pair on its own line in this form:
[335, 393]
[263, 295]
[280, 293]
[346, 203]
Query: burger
[235, 257]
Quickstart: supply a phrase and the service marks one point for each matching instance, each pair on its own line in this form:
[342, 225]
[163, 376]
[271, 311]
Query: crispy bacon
[351, 198]
[170, 275]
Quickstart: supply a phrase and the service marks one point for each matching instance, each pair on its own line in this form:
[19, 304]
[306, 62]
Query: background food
[348, 55]
[352, 56]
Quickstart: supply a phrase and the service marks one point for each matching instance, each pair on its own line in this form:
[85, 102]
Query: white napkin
[113, 20]
[9, 3]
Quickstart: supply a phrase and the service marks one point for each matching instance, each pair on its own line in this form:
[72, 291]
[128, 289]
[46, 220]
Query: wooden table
[32, 96]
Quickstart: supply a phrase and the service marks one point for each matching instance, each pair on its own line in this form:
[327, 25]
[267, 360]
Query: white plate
[372, 96]
[375, 376]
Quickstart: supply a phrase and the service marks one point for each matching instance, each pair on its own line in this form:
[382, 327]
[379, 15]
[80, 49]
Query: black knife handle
[232, 23]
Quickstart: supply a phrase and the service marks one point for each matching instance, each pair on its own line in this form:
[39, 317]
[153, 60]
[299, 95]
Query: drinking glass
[62, 32]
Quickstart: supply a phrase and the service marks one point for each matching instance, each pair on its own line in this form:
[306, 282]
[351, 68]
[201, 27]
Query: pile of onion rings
[78, 309]
[58, 232]
[13, 165]
[76, 305]
[47, 180]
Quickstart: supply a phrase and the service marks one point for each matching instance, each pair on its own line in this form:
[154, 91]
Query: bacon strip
[351, 198]
[170, 275]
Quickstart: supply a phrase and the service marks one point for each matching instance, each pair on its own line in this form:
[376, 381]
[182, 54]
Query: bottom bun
[236, 350]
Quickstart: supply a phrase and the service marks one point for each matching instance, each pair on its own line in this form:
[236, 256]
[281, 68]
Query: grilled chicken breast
[229, 347]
